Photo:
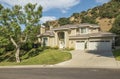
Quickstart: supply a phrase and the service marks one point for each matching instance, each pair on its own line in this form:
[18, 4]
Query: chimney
[42, 29]
[51, 27]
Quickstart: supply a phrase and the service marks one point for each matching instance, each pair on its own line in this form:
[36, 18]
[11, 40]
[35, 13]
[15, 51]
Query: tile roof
[69, 26]
[47, 33]
[91, 35]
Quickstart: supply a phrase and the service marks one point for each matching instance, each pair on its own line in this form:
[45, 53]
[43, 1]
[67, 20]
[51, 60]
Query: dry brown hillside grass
[105, 23]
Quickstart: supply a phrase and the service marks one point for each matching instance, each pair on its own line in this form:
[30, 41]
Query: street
[59, 73]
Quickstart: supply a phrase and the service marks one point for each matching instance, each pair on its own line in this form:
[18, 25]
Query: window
[77, 29]
[83, 30]
[61, 35]
[45, 41]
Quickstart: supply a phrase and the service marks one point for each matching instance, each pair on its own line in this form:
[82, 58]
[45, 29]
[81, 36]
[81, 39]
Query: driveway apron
[90, 59]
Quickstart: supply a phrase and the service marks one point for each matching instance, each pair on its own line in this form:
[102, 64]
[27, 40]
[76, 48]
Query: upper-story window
[77, 31]
[83, 30]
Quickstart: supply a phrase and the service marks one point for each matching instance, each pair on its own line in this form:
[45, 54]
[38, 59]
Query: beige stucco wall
[66, 39]
[72, 32]
[89, 30]
[51, 41]
[56, 42]
[93, 30]
[39, 40]
[104, 38]
[72, 44]
[42, 30]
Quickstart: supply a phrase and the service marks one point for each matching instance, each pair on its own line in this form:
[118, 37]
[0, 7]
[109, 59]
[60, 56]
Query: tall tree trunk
[17, 50]
[17, 55]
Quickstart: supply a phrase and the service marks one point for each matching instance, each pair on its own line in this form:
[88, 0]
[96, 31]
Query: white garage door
[80, 45]
[99, 45]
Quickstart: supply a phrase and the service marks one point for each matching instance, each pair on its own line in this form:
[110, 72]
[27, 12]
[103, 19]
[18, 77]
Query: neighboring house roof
[47, 33]
[92, 35]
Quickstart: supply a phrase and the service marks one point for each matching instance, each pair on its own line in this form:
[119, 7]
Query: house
[78, 36]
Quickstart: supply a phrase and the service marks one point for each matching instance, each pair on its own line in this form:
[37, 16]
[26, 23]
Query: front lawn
[48, 56]
[116, 54]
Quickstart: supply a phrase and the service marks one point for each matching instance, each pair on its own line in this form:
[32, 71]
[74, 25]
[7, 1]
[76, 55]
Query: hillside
[103, 15]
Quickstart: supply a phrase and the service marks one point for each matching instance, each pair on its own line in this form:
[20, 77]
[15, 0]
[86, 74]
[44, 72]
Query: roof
[89, 25]
[70, 26]
[47, 33]
[92, 35]
[66, 27]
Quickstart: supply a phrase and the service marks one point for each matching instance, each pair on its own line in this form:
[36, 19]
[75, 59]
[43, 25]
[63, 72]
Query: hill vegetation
[103, 15]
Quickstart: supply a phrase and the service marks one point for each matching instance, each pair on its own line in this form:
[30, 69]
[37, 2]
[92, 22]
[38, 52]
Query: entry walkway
[102, 59]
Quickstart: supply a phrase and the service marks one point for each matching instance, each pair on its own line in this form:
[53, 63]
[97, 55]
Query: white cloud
[63, 5]
[47, 18]
[102, 1]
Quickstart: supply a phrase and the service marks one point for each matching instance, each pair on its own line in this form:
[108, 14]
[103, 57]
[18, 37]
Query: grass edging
[116, 54]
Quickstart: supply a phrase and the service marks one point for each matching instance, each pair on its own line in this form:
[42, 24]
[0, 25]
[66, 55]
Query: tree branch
[14, 43]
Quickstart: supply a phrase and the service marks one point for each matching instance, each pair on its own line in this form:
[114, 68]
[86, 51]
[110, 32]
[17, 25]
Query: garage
[100, 45]
[80, 45]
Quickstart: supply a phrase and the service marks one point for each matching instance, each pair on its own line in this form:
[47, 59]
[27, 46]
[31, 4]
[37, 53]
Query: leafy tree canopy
[63, 21]
[116, 29]
[12, 20]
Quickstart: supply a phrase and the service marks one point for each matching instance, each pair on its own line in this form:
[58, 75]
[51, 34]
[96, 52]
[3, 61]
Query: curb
[54, 66]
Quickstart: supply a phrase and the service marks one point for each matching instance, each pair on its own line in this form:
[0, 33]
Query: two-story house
[78, 36]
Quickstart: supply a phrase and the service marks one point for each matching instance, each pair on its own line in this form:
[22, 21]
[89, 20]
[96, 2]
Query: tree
[77, 18]
[11, 21]
[63, 21]
[51, 24]
[88, 19]
[116, 0]
[116, 29]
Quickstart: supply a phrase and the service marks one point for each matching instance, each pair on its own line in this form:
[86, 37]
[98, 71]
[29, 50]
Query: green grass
[116, 54]
[48, 56]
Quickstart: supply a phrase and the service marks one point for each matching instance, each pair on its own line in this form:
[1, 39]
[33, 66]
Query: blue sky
[54, 9]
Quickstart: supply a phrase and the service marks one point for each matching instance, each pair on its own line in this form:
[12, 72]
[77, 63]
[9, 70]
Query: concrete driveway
[102, 59]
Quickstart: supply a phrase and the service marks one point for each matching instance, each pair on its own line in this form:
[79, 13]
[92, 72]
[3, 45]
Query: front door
[61, 44]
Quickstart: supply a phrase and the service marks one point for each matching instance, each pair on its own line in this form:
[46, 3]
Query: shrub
[69, 49]
[27, 46]
[88, 19]
[47, 47]
[33, 52]
[56, 47]
[9, 47]
[2, 50]
[39, 49]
